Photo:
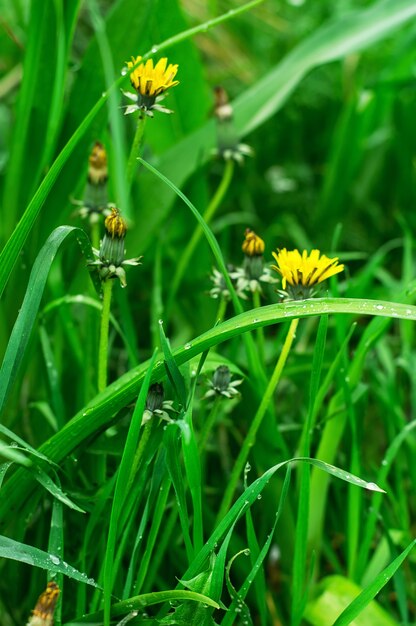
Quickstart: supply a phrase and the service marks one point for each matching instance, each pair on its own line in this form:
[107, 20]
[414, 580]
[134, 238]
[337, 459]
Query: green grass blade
[17, 551]
[148, 599]
[56, 547]
[373, 589]
[22, 329]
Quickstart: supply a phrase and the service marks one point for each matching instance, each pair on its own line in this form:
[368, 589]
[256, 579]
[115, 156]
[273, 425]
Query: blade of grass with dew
[334, 40]
[232, 614]
[249, 496]
[56, 547]
[259, 581]
[17, 551]
[99, 413]
[148, 599]
[11, 454]
[26, 446]
[53, 488]
[124, 472]
[373, 589]
[21, 333]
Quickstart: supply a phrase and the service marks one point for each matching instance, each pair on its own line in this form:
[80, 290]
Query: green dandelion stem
[221, 310]
[103, 346]
[209, 423]
[135, 148]
[250, 439]
[198, 232]
[259, 331]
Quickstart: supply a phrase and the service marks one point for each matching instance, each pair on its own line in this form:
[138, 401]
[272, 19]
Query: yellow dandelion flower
[301, 272]
[150, 82]
[253, 245]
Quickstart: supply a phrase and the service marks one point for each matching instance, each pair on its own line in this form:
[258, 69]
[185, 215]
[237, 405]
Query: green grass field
[188, 435]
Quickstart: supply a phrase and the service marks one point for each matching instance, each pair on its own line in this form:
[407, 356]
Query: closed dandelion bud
[95, 201]
[221, 378]
[229, 146]
[115, 225]
[222, 108]
[156, 406]
[97, 165]
[112, 245]
[111, 253]
[155, 395]
[253, 245]
[42, 614]
[253, 248]
[222, 385]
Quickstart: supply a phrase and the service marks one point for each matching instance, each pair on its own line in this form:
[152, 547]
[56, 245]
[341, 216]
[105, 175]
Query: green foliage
[285, 497]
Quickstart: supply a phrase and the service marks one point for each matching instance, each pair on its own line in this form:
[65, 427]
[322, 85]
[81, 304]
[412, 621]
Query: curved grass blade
[99, 413]
[148, 599]
[17, 551]
[373, 589]
[22, 329]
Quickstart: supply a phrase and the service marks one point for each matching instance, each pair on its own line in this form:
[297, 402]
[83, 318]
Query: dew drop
[161, 322]
[55, 559]
[379, 307]
[154, 49]
[188, 346]
[124, 71]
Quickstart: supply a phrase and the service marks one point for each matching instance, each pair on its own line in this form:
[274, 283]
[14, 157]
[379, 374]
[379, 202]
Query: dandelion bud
[253, 245]
[42, 614]
[221, 378]
[110, 259]
[222, 385]
[155, 395]
[222, 108]
[97, 170]
[115, 225]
